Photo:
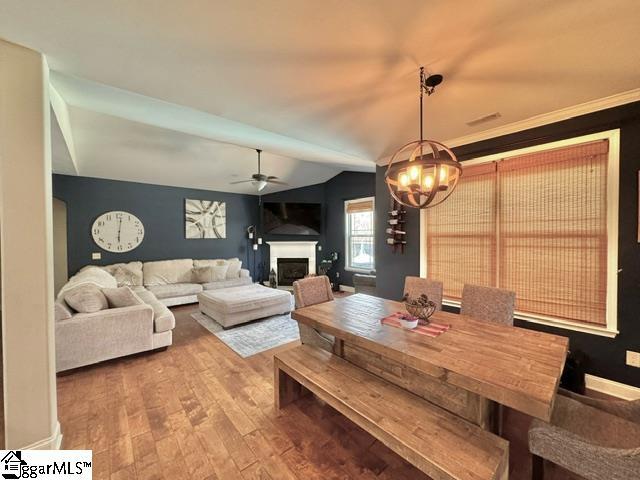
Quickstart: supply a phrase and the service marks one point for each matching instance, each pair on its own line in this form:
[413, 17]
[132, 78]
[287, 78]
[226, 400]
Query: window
[540, 221]
[359, 229]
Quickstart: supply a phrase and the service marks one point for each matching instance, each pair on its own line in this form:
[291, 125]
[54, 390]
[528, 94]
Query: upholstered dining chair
[311, 291]
[588, 439]
[488, 303]
[414, 286]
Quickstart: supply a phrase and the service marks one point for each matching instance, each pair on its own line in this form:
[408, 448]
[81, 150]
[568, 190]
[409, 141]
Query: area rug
[254, 337]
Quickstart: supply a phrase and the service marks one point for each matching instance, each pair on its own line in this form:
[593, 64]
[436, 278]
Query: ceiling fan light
[259, 184]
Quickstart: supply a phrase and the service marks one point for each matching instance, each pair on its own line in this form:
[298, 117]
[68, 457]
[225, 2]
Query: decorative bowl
[420, 307]
[409, 322]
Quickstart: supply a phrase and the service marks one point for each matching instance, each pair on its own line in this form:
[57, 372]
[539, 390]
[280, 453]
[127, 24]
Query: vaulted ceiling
[179, 93]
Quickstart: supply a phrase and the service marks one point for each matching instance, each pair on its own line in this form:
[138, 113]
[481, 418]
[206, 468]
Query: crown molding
[543, 119]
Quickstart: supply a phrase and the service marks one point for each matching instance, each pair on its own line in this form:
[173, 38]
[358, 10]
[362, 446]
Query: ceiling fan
[260, 180]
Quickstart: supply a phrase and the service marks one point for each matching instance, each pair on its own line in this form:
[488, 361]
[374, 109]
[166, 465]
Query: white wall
[27, 252]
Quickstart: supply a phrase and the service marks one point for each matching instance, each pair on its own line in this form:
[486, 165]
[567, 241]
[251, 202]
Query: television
[288, 218]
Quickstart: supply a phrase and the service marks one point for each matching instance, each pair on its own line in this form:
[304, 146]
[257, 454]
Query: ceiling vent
[484, 119]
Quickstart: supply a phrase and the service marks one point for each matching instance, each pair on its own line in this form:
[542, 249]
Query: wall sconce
[259, 240]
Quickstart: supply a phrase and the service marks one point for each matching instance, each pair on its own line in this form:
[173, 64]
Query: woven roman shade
[361, 206]
[553, 231]
[461, 233]
[535, 224]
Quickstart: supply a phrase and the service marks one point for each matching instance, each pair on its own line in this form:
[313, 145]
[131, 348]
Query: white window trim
[613, 187]
[346, 236]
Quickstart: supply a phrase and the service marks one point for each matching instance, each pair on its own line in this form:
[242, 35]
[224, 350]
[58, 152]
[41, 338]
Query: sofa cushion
[126, 274]
[62, 311]
[213, 273]
[208, 262]
[121, 297]
[234, 282]
[175, 290]
[90, 275]
[202, 274]
[163, 319]
[167, 272]
[86, 299]
[234, 268]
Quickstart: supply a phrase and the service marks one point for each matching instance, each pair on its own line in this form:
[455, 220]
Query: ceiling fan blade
[241, 181]
[271, 177]
[275, 182]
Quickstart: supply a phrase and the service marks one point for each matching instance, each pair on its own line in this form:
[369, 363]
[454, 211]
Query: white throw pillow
[234, 268]
[61, 311]
[121, 297]
[220, 271]
[202, 274]
[86, 299]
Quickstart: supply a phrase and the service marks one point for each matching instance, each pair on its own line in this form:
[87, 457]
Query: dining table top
[516, 367]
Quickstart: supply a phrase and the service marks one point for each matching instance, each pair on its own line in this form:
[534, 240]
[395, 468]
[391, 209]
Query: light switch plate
[96, 256]
[319, 248]
[633, 358]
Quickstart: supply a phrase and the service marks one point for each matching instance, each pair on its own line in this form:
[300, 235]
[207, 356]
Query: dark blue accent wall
[161, 209]
[342, 187]
[606, 355]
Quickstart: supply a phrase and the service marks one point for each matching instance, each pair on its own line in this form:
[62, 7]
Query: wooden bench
[437, 442]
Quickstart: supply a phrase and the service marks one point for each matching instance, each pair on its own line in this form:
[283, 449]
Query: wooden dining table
[464, 370]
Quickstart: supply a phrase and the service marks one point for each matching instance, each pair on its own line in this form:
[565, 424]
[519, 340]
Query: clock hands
[119, 229]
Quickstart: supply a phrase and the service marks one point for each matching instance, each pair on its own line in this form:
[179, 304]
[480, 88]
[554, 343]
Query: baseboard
[54, 442]
[347, 288]
[609, 387]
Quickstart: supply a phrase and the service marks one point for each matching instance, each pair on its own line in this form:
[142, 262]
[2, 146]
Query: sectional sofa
[92, 335]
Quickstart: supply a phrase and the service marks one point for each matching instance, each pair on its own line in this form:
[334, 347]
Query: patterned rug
[254, 337]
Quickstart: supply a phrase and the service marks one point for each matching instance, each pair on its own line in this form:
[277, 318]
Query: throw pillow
[61, 311]
[86, 299]
[220, 271]
[121, 297]
[234, 268]
[125, 276]
[202, 274]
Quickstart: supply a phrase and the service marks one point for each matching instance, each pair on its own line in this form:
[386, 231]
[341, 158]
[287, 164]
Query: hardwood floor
[199, 411]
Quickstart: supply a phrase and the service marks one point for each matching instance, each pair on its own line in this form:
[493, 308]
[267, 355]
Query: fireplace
[292, 269]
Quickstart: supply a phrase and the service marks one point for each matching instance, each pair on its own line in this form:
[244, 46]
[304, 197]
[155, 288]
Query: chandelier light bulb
[428, 182]
[403, 179]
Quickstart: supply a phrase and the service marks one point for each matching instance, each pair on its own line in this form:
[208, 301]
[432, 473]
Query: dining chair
[414, 286]
[587, 440]
[629, 410]
[311, 291]
[488, 303]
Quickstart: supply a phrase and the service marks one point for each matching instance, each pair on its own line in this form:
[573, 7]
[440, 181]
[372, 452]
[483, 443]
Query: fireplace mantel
[293, 249]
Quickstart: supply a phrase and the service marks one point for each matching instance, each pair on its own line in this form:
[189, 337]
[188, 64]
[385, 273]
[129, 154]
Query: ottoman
[235, 305]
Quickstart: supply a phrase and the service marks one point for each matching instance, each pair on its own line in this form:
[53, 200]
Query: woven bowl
[421, 311]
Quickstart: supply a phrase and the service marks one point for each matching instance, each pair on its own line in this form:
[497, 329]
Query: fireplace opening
[292, 269]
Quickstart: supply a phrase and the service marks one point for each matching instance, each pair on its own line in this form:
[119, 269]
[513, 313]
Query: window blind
[360, 206]
[535, 224]
[553, 231]
[461, 233]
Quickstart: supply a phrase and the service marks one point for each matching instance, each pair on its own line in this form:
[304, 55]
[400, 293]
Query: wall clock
[117, 231]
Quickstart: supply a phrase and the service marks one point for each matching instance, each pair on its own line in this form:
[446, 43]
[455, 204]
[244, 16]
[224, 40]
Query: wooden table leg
[286, 389]
[338, 347]
[537, 467]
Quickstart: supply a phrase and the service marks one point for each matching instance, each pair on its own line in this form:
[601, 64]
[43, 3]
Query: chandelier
[432, 171]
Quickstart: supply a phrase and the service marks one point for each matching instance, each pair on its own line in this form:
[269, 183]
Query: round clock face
[117, 231]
